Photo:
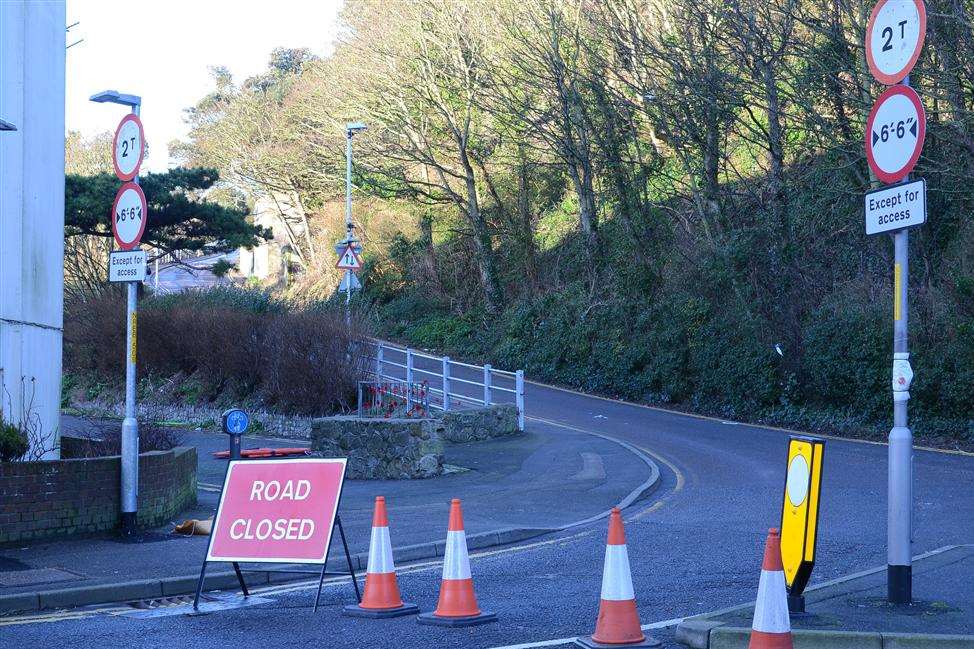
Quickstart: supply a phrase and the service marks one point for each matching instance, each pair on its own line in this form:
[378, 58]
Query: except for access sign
[128, 216]
[895, 131]
[277, 510]
[128, 147]
[896, 207]
[894, 38]
[126, 266]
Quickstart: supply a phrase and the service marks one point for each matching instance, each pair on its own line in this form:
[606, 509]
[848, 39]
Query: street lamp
[130, 425]
[350, 130]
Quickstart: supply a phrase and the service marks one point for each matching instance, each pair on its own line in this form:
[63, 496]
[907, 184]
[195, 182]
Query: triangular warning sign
[348, 260]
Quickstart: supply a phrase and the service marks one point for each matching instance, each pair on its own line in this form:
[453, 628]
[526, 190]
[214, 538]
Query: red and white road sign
[129, 213]
[895, 130]
[894, 38]
[128, 147]
[277, 510]
[349, 259]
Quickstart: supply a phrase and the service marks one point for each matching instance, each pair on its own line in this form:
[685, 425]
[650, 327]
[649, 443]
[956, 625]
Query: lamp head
[7, 126]
[115, 97]
[355, 127]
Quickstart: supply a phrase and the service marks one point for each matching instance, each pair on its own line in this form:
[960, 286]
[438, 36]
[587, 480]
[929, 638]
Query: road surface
[695, 545]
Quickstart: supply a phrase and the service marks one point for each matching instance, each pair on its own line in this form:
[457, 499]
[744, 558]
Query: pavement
[512, 488]
[695, 546]
[943, 602]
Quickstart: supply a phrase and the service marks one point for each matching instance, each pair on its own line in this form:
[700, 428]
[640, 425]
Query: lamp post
[130, 425]
[350, 130]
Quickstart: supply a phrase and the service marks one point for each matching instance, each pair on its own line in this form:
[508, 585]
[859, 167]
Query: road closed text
[277, 510]
[291, 529]
[896, 207]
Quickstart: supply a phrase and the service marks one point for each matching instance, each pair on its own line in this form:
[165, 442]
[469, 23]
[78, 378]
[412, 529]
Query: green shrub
[13, 441]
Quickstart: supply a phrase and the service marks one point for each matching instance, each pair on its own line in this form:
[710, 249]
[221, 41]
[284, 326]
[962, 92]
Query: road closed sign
[277, 511]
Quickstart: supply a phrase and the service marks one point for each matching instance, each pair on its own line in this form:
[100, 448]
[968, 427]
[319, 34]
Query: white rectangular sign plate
[896, 207]
[126, 266]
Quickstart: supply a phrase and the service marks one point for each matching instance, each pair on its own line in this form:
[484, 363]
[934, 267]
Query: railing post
[519, 394]
[360, 399]
[409, 379]
[378, 363]
[487, 395]
[446, 383]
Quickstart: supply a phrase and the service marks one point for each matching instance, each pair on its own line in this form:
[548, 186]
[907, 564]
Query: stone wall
[57, 498]
[477, 424]
[380, 449]
[262, 422]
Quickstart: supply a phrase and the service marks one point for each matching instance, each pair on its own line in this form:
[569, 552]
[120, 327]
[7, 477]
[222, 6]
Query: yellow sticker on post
[799, 511]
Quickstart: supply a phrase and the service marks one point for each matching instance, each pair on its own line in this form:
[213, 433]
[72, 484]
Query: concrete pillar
[32, 42]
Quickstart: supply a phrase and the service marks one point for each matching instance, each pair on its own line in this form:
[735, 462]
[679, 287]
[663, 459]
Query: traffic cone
[458, 604]
[618, 621]
[772, 627]
[381, 598]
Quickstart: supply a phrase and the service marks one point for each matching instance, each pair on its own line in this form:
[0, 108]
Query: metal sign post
[128, 223]
[349, 247]
[894, 138]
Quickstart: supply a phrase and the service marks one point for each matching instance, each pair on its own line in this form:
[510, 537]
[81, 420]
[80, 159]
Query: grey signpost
[130, 425]
[347, 283]
[894, 138]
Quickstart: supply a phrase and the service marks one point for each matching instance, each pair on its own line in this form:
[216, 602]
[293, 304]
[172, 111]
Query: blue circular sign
[235, 421]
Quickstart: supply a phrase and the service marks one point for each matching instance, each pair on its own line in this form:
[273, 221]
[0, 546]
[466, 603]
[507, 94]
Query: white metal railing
[451, 384]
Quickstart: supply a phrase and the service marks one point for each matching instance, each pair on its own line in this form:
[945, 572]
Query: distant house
[273, 260]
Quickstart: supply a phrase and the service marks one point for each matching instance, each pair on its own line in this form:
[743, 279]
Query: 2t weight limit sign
[894, 39]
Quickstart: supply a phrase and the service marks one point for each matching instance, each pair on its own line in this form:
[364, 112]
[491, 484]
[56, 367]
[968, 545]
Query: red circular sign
[895, 131]
[894, 38]
[129, 214]
[128, 147]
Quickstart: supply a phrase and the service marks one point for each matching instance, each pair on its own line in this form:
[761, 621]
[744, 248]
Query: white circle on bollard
[797, 485]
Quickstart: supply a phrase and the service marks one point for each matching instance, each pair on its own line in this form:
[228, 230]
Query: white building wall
[32, 211]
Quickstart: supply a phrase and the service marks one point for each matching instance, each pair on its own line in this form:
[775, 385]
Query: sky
[162, 50]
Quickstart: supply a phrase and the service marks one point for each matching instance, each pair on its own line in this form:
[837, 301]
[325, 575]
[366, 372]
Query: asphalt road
[695, 545]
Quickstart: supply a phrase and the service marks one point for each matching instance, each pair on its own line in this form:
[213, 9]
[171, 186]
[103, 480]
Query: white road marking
[561, 641]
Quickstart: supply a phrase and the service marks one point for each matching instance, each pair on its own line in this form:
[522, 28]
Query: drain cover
[16, 578]
[161, 602]
[170, 606]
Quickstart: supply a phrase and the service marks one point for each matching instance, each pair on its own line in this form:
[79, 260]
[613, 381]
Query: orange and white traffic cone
[381, 598]
[772, 626]
[618, 621]
[458, 603]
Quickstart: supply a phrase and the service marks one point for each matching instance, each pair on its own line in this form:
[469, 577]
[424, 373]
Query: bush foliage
[294, 359]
